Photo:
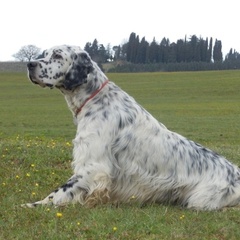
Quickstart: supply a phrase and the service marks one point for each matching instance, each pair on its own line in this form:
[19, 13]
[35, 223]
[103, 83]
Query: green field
[36, 130]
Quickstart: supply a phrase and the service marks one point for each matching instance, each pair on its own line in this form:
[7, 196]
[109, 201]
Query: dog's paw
[29, 205]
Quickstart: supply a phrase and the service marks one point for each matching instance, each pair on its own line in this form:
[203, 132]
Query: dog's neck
[91, 96]
[79, 97]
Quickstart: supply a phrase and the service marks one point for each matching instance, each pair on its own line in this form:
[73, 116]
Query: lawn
[36, 130]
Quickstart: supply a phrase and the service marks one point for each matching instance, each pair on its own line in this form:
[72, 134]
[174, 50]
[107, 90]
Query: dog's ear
[78, 71]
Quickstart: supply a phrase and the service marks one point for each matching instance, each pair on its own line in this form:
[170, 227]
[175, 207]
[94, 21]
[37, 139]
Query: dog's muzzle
[31, 66]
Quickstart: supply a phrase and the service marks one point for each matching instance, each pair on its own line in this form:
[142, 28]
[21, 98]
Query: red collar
[92, 96]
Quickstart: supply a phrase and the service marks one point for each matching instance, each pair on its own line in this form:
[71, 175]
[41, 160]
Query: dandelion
[59, 215]
[182, 217]
[48, 209]
[28, 174]
[17, 177]
[78, 223]
[36, 184]
[4, 184]
[114, 229]
[53, 173]
[33, 193]
[68, 144]
[132, 197]
[32, 165]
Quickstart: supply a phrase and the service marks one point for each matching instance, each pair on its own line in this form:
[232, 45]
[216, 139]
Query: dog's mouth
[30, 76]
[34, 80]
[38, 82]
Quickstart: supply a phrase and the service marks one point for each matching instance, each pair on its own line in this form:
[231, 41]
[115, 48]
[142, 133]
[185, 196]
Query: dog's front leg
[90, 187]
[69, 192]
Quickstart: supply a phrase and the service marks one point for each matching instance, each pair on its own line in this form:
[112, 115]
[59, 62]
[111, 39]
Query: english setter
[121, 150]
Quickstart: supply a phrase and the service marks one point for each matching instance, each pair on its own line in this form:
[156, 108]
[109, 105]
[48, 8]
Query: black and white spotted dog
[121, 151]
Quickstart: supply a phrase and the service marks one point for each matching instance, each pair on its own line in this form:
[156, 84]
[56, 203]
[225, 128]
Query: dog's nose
[31, 65]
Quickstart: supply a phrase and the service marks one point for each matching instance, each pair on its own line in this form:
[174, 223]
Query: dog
[121, 151]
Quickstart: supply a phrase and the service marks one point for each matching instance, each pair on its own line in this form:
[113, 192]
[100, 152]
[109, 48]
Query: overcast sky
[46, 23]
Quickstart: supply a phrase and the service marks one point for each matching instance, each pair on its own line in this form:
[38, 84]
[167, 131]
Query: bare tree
[27, 53]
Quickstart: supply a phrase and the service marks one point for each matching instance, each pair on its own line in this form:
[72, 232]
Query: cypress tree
[132, 48]
[209, 52]
[153, 52]
[142, 51]
[217, 51]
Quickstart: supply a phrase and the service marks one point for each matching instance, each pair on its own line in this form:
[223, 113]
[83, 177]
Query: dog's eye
[57, 56]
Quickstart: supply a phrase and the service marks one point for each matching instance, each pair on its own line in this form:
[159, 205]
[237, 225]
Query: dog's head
[62, 67]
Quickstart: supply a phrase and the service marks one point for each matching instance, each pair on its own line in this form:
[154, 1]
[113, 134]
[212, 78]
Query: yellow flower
[114, 229]
[182, 217]
[33, 193]
[78, 223]
[59, 215]
[4, 184]
[32, 165]
[17, 176]
[28, 174]
[36, 184]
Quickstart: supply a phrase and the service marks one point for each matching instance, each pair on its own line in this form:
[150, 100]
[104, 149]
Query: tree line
[192, 50]
[183, 55]
[135, 55]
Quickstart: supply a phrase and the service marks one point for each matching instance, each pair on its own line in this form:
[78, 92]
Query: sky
[47, 23]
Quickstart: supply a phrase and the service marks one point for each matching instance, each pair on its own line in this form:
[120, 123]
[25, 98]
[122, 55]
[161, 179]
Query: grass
[35, 154]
